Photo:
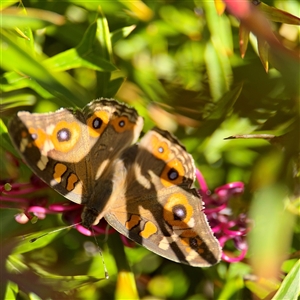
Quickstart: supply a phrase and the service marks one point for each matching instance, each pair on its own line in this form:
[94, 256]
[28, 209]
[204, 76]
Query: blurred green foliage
[178, 64]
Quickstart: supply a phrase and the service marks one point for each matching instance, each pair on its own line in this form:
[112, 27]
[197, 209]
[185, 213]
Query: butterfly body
[143, 190]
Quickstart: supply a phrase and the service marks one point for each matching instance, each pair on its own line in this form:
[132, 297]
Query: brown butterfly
[143, 189]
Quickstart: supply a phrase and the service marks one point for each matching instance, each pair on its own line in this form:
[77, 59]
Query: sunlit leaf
[243, 39]
[11, 81]
[104, 38]
[126, 287]
[35, 18]
[7, 3]
[25, 244]
[61, 85]
[276, 15]
[220, 6]
[263, 50]
[82, 56]
[5, 141]
[138, 9]
[17, 101]
[290, 287]
[214, 71]
[121, 33]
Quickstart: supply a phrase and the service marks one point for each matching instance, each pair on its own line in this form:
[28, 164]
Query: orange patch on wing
[72, 179]
[160, 149]
[177, 166]
[189, 235]
[181, 201]
[186, 244]
[122, 124]
[132, 222]
[149, 229]
[59, 170]
[64, 146]
[104, 118]
[39, 137]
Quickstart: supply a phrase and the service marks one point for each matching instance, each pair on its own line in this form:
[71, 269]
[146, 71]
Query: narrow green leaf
[243, 39]
[276, 15]
[214, 72]
[36, 18]
[61, 85]
[138, 9]
[114, 86]
[11, 81]
[103, 36]
[7, 3]
[121, 33]
[5, 141]
[263, 51]
[72, 59]
[290, 287]
[88, 40]
[21, 99]
[27, 32]
[225, 104]
[84, 55]
[24, 244]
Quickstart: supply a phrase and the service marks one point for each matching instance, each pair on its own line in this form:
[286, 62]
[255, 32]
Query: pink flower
[223, 224]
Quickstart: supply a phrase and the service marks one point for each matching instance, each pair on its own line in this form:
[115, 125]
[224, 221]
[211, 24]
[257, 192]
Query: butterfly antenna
[53, 231]
[101, 255]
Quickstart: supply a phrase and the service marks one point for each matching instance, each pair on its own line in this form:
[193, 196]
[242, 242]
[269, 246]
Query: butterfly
[143, 189]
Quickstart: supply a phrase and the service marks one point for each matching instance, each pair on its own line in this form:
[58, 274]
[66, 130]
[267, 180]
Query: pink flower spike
[233, 233]
[236, 187]
[225, 257]
[61, 207]
[21, 218]
[84, 230]
[209, 211]
[202, 182]
[40, 216]
[238, 258]
[38, 210]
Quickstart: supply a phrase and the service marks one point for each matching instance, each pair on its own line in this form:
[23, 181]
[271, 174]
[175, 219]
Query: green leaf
[84, 55]
[7, 3]
[121, 33]
[225, 104]
[243, 39]
[11, 81]
[72, 59]
[263, 51]
[290, 287]
[276, 15]
[103, 36]
[61, 85]
[35, 18]
[5, 142]
[25, 244]
[214, 71]
[114, 86]
[21, 99]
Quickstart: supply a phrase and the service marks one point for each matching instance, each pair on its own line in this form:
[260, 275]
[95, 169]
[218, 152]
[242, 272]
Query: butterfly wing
[70, 149]
[159, 209]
